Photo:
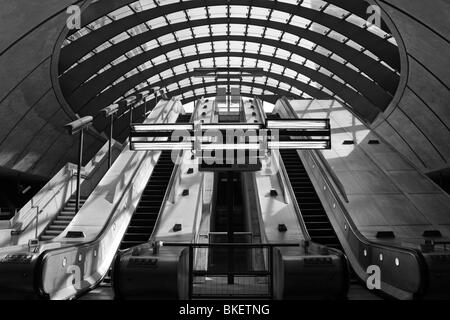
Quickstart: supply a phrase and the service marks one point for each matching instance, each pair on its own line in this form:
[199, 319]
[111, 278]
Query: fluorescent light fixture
[78, 125]
[297, 124]
[130, 99]
[160, 127]
[112, 109]
[298, 144]
[231, 126]
[243, 146]
[145, 93]
[160, 146]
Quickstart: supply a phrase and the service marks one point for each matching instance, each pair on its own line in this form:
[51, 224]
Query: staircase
[62, 220]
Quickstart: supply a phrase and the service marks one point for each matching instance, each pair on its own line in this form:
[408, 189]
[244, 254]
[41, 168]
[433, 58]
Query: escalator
[143, 221]
[316, 219]
[314, 215]
[220, 224]
[144, 218]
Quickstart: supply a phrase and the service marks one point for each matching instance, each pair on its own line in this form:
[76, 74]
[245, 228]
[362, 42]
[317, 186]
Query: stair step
[52, 232]
[67, 214]
[64, 218]
[140, 229]
[313, 232]
[143, 222]
[56, 227]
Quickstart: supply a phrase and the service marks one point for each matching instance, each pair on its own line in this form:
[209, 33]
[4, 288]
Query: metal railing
[250, 281]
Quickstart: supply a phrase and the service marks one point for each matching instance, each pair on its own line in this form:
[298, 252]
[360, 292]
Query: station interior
[212, 149]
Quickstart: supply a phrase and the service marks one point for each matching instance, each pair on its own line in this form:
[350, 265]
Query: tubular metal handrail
[320, 158]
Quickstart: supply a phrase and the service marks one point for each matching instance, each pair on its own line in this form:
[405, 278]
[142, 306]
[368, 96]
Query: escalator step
[143, 222]
[63, 218]
[59, 228]
[139, 229]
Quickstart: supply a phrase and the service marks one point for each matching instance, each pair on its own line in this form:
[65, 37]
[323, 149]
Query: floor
[356, 292]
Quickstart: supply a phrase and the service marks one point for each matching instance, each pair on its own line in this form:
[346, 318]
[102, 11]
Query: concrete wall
[32, 138]
[418, 123]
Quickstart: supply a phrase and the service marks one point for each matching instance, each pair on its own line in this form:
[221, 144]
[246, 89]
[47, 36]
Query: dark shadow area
[441, 178]
[16, 189]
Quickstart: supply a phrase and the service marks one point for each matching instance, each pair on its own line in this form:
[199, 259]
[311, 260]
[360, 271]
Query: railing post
[37, 222]
[80, 160]
[109, 112]
[271, 278]
[230, 200]
[191, 271]
[111, 127]
[75, 127]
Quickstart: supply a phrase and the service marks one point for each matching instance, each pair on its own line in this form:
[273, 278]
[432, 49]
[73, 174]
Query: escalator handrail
[38, 285]
[196, 107]
[353, 228]
[325, 164]
[260, 109]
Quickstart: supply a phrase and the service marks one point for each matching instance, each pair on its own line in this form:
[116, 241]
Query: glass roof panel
[239, 11]
[222, 11]
[259, 13]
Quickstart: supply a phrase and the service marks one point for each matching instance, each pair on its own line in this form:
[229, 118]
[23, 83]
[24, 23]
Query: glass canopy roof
[308, 49]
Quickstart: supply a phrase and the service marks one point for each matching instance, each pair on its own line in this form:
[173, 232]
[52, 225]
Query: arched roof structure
[307, 49]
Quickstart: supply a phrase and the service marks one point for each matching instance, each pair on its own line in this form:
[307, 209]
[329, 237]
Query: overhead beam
[350, 96]
[381, 48]
[78, 75]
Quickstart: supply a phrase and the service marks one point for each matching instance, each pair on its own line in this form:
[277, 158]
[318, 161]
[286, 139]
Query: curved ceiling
[308, 49]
